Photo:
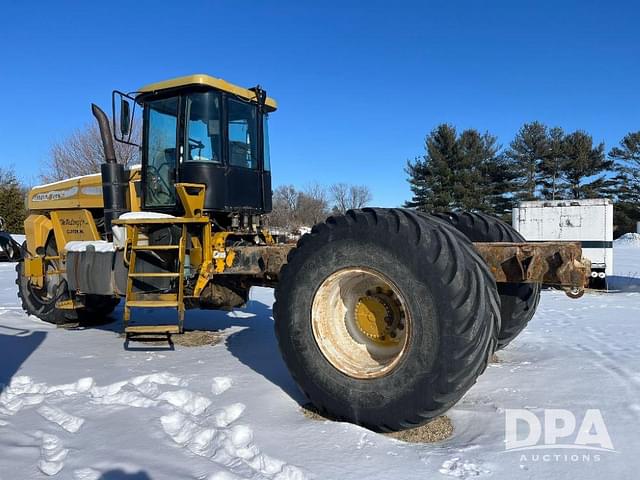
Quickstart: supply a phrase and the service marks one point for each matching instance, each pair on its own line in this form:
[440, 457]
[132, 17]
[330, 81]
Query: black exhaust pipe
[114, 180]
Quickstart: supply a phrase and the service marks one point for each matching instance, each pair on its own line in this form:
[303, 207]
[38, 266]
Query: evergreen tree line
[12, 205]
[471, 171]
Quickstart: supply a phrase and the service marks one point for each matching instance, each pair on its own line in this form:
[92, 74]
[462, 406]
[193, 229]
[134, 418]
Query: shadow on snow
[16, 345]
[253, 342]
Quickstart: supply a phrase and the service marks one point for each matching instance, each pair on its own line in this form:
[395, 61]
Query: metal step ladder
[155, 300]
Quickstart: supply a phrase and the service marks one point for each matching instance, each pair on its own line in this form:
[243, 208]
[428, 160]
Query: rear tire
[448, 305]
[518, 301]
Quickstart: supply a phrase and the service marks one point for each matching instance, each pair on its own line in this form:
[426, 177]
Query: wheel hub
[378, 316]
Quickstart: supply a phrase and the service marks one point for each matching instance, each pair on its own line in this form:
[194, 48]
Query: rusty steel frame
[553, 263]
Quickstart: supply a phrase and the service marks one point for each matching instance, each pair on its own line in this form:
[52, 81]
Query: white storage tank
[589, 221]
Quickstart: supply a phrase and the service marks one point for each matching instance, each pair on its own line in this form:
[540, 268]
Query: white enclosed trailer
[588, 221]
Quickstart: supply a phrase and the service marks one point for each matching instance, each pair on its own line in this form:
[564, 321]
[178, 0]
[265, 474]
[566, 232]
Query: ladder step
[156, 247]
[150, 274]
[152, 296]
[141, 329]
[152, 303]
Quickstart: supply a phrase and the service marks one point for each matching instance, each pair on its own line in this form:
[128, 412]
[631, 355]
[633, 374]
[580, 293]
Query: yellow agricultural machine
[385, 317]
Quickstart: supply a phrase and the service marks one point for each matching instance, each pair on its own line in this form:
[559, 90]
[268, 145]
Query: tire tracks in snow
[609, 355]
[189, 420]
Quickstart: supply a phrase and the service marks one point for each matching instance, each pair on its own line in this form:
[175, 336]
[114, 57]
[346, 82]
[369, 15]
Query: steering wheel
[196, 143]
[165, 190]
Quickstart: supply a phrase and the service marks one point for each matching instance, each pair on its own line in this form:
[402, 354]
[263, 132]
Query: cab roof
[205, 80]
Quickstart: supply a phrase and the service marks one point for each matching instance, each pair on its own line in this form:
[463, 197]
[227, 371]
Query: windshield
[161, 152]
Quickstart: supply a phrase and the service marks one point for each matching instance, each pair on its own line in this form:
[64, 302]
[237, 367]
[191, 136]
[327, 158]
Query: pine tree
[468, 181]
[526, 153]
[12, 208]
[483, 178]
[551, 165]
[627, 182]
[584, 167]
[627, 167]
[458, 172]
[431, 177]
[499, 178]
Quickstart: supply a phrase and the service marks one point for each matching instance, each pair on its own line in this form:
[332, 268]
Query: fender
[37, 229]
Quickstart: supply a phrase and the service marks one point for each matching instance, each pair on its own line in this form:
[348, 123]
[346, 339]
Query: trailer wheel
[385, 318]
[518, 301]
[41, 302]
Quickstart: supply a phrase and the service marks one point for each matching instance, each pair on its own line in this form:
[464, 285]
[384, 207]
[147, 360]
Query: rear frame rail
[551, 263]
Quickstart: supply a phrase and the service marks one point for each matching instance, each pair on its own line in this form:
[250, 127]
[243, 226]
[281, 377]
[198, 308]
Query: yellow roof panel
[207, 80]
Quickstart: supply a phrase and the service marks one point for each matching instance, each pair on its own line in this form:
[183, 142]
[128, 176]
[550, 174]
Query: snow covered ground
[76, 404]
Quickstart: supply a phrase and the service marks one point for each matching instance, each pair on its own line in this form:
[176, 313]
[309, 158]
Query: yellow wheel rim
[360, 322]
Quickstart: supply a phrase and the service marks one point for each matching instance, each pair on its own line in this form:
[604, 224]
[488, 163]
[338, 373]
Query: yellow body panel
[206, 80]
[34, 269]
[135, 192]
[71, 225]
[78, 192]
[192, 201]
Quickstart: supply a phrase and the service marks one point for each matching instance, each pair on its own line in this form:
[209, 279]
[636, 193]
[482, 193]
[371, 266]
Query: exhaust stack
[114, 180]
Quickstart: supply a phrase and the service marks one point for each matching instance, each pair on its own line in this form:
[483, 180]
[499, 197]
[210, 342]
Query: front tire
[41, 302]
[358, 278]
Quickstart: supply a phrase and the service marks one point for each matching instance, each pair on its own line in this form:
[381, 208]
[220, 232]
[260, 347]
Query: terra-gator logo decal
[55, 195]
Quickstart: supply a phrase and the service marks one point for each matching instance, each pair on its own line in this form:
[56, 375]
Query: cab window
[242, 133]
[265, 139]
[161, 152]
[203, 136]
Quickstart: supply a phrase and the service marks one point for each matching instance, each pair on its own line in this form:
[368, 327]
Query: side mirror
[123, 113]
[125, 117]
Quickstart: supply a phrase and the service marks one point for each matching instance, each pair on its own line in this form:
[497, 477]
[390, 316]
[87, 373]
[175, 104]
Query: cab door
[160, 150]
[244, 178]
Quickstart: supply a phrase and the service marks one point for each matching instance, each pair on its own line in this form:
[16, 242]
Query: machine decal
[91, 190]
[55, 195]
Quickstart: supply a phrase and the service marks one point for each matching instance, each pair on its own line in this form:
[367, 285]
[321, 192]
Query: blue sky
[359, 84]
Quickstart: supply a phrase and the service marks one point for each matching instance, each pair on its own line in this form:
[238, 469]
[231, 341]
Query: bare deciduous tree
[347, 197]
[293, 208]
[285, 200]
[313, 206]
[81, 153]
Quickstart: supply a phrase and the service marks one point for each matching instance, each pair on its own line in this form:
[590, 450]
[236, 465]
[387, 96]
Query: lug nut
[401, 326]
